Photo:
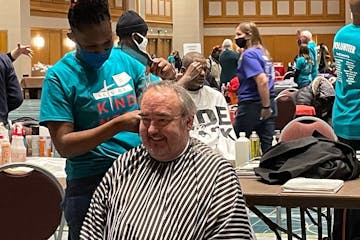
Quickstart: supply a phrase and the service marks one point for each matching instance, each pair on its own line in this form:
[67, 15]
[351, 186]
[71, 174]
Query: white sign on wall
[192, 47]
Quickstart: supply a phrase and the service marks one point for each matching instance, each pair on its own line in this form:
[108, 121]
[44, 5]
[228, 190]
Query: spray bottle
[18, 149]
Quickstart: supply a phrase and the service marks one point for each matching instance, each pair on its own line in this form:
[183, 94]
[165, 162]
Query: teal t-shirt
[346, 110]
[305, 69]
[313, 54]
[73, 92]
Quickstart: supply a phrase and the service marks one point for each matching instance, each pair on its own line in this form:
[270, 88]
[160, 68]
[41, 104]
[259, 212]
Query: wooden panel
[40, 54]
[167, 48]
[152, 46]
[59, 8]
[160, 47]
[274, 11]
[55, 46]
[282, 48]
[158, 11]
[52, 50]
[3, 42]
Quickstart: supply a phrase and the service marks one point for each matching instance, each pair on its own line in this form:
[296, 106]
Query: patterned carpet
[263, 232]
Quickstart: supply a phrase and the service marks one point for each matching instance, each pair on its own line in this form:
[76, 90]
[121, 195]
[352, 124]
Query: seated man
[212, 124]
[170, 187]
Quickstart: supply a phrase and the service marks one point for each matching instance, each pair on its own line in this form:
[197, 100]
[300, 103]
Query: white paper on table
[312, 185]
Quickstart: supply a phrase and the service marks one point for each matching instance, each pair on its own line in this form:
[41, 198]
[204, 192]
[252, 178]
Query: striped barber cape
[196, 196]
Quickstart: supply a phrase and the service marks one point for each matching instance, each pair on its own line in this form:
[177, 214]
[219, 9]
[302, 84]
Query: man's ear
[189, 123]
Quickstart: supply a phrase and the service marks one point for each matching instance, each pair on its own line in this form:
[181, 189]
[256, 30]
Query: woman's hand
[265, 113]
[162, 68]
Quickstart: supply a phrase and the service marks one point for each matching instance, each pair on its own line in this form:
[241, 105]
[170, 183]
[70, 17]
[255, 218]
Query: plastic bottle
[254, 145]
[242, 150]
[274, 141]
[35, 141]
[1, 140]
[277, 135]
[18, 149]
[5, 151]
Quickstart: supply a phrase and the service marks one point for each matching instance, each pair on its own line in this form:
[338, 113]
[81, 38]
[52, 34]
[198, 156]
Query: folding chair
[303, 127]
[286, 108]
[30, 203]
[307, 126]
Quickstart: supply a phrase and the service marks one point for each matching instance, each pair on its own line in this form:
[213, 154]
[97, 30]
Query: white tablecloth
[54, 165]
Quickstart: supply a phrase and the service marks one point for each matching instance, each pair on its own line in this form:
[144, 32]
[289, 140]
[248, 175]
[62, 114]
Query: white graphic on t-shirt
[106, 92]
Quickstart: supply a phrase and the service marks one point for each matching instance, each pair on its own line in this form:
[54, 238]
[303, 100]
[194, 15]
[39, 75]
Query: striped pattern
[197, 196]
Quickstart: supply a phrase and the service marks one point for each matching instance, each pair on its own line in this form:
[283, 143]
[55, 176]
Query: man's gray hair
[187, 105]
[306, 34]
[227, 44]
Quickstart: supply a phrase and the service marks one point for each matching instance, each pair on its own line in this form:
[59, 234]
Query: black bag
[308, 157]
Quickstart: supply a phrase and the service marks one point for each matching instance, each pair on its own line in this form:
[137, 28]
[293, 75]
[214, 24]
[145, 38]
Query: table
[28, 83]
[257, 193]
[53, 164]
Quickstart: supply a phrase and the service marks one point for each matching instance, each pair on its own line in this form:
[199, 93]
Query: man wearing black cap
[131, 30]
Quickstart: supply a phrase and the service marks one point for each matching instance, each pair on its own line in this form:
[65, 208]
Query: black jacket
[308, 157]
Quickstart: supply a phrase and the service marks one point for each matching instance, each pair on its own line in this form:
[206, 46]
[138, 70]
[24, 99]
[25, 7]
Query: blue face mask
[95, 60]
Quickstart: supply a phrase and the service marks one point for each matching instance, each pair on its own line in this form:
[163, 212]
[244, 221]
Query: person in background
[305, 37]
[303, 67]
[228, 61]
[178, 61]
[132, 30]
[213, 64]
[256, 105]
[212, 123]
[346, 109]
[91, 104]
[324, 59]
[170, 187]
[20, 50]
[171, 58]
[11, 96]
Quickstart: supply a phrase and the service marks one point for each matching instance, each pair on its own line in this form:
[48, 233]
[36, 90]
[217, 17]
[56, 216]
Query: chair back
[307, 126]
[286, 108]
[289, 75]
[30, 202]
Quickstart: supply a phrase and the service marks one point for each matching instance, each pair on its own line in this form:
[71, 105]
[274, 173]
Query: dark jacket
[320, 94]
[308, 157]
[229, 62]
[10, 91]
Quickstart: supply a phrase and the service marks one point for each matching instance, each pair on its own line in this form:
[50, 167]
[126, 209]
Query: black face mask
[241, 42]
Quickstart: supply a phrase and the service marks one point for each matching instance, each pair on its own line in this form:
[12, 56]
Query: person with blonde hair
[228, 61]
[256, 106]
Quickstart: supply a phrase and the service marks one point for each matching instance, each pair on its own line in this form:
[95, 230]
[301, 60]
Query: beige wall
[14, 17]
[187, 23]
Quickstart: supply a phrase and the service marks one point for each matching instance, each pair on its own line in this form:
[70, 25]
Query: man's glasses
[158, 120]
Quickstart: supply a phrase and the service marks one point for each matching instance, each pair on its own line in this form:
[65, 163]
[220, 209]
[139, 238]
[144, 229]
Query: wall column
[187, 23]
[18, 14]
